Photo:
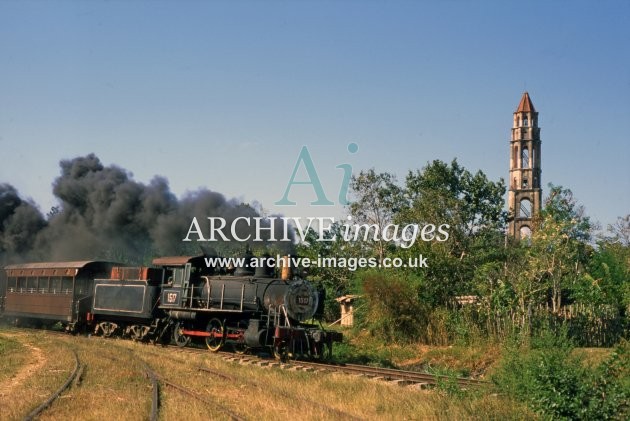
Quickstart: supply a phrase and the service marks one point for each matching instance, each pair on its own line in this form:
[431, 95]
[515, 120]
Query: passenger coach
[52, 291]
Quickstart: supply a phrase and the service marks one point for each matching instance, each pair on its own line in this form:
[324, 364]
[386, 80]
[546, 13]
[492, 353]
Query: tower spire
[526, 105]
[524, 195]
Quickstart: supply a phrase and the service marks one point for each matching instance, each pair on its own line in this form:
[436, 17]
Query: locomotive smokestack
[285, 270]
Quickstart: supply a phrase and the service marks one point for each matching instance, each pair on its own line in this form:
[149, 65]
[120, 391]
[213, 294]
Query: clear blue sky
[224, 94]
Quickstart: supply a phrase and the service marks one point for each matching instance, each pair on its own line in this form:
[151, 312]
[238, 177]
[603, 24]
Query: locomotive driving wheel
[180, 339]
[216, 340]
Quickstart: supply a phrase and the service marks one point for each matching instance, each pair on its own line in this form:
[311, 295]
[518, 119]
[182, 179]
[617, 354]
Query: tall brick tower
[524, 195]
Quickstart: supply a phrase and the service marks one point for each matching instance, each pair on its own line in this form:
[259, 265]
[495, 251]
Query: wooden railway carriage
[52, 291]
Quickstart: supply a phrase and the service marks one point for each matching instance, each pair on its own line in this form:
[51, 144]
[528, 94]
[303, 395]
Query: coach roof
[175, 260]
[54, 265]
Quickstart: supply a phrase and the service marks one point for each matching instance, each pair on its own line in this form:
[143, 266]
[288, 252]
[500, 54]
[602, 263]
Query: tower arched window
[525, 209]
[525, 121]
[525, 232]
[525, 158]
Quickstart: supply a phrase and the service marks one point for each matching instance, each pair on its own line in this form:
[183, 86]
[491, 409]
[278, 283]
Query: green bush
[394, 310]
[610, 389]
[555, 383]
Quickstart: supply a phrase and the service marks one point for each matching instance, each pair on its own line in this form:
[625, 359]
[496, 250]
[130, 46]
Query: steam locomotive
[180, 299]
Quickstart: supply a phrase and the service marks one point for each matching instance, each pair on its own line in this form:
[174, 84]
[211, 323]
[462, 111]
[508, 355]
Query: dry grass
[593, 357]
[114, 387]
[43, 368]
[468, 361]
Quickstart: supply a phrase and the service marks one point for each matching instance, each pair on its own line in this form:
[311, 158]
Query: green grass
[460, 360]
[13, 355]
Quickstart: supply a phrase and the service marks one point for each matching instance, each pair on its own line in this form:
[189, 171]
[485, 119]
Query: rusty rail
[155, 390]
[339, 414]
[42, 407]
[197, 396]
[393, 374]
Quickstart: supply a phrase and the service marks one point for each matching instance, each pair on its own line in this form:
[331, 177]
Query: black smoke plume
[104, 214]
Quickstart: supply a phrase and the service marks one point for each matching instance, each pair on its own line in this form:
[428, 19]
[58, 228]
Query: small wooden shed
[347, 317]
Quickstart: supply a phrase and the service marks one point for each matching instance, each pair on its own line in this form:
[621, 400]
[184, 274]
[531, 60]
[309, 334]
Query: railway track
[337, 413]
[74, 376]
[155, 390]
[157, 378]
[150, 374]
[400, 377]
[186, 391]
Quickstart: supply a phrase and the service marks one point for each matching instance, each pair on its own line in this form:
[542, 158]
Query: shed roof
[347, 298]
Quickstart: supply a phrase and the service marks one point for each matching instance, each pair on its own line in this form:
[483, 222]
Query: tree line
[479, 283]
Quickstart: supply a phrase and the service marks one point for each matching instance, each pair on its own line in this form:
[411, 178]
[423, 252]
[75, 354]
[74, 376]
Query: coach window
[22, 284]
[67, 285]
[55, 285]
[43, 284]
[31, 283]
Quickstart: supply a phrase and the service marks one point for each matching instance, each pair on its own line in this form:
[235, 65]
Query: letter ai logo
[304, 159]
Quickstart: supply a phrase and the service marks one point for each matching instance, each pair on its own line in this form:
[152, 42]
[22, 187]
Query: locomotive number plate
[171, 297]
[303, 301]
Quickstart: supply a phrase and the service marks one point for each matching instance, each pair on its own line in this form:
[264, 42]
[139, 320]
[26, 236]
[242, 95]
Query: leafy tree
[336, 281]
[607, 280]
[450, 193]
[376, 199]
[619, 232]
[472, 207]
[558, 250]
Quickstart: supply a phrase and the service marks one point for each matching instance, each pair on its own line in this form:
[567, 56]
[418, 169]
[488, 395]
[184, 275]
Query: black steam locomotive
[179, 298]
